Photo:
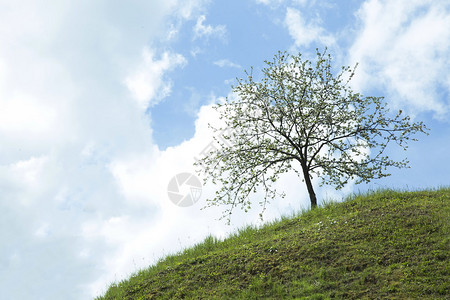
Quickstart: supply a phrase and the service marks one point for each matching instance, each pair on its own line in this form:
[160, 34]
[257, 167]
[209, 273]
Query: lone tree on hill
[300, 112]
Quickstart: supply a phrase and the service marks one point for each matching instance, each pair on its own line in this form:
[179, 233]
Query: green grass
[382, 245]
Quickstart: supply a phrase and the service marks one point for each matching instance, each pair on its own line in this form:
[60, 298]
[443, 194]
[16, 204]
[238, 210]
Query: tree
[300, 112]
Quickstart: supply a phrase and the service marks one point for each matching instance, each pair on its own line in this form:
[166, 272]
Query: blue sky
[102, 103]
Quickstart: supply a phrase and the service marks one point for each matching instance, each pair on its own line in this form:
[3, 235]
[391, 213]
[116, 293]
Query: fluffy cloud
[202, 30]
[403, 47]
[147, 84]
[67, 124]
[305, 32]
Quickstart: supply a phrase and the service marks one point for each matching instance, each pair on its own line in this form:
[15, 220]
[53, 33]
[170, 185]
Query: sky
[102, 103]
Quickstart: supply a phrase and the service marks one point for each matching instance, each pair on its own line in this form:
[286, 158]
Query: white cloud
[147, 84]
[305, 32]
[22, 115]
[181, 10]
[188, 9]
[403, 48]
[201, 30]
[226, 63]
[67, 125]
[29, 171]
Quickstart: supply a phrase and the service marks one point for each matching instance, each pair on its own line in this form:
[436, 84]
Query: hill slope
[382, 245]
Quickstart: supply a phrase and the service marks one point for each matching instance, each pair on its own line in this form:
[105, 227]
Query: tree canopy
[301, 117]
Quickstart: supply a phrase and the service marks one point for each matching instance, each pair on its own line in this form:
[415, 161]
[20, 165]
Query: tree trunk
[309, 186]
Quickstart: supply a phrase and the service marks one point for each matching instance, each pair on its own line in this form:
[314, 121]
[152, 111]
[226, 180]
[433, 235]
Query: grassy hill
[382, 245]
